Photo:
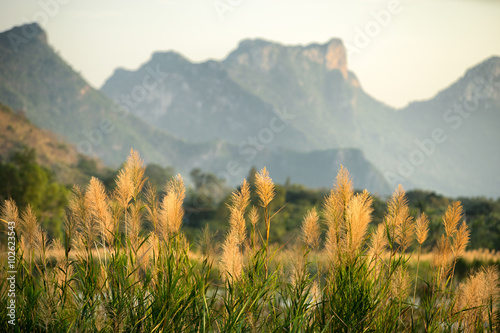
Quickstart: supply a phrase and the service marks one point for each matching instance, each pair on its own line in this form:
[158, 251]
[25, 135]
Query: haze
[422, 49]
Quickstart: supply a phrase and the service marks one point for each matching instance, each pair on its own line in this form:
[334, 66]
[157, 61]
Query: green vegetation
[208, 196]
[26, 182]
[125, 265]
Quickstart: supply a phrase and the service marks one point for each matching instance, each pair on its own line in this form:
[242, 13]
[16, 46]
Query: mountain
[313, 83]
[454, 136]
[240, 96]
[34, 79]
[328, 109]
[18, 133]
[331, 105]
[197, 102]
[38, 83]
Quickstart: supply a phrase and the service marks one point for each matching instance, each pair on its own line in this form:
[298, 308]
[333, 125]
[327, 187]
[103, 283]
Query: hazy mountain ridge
[52, 95]
[468, 114]
[331, 110]
[17, 133]
[199, 103]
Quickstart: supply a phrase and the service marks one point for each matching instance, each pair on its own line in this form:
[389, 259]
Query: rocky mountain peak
[265, 55]
[332, 55]
[24, 34]
[335, 56]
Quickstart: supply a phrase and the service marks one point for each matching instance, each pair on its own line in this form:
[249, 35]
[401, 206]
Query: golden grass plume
[265, 187]
[310, 229]
[422, 228]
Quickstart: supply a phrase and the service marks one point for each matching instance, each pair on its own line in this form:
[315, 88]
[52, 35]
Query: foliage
[124, 265]
[26, 182]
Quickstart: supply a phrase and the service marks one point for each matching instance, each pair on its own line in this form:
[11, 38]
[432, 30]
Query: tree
[26, 182]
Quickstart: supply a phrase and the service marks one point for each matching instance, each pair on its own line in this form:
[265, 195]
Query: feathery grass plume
[206, 243]
[254, 218]
[334, 212]
[47, 306]
[422, 228]
[266, 193]
[378, 244]
[442, 258]
[315, 294]
[399, 222]
[134, 224]
[331, 246]
[129, 183]
[400, 284]
[310, 230]
[358, 215]
[265, 187]
[10, 213]
[41, 245]
[239, 203]
[460, 241]
[69, 228]
[343, 189]
[237, 223]
[172, 212]
[99, 207]
[336, 201]
[152, 245]
[457, 238]
[135, 169]
[152, 207]
[492, 283]
[296, 261]
[477, 301]
[29, 226]
[166, 215]
[421, 231]
[30, 230]
[232, 259]
[79, 206]
[492, 294]
[61, 264]
[144, 251]
[124, 188]
[379, 240]
[452, 217]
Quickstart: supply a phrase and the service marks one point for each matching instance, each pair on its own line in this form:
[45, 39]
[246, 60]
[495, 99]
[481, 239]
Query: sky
[400, 50]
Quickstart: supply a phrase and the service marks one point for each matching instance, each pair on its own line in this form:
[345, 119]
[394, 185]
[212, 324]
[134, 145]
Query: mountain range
[297, 109]
[36, 82]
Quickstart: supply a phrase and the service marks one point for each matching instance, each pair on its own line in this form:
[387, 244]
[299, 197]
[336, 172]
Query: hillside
[53, 96]
[327, 109]
[199, 103]
[465, 158]
[18, 133]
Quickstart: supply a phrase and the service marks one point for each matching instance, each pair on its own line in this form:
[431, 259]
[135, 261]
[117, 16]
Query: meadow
[125, 265]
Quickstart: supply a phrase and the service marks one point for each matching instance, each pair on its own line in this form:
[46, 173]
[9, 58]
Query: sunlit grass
[124, 265]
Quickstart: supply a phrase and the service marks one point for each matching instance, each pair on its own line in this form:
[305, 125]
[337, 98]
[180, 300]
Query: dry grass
[112, 274]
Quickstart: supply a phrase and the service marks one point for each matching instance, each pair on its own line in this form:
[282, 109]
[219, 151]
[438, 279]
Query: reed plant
[124, 265]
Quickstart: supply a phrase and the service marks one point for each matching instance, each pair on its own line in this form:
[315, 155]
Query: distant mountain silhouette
[216, 124]
[328, 109]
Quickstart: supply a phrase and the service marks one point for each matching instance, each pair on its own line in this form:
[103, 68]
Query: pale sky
[421, 48]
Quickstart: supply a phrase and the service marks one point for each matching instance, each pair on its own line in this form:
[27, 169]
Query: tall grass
[124, 265]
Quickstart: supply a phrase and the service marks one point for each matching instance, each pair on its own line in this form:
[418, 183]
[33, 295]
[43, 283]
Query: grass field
[124, 265]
